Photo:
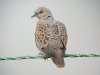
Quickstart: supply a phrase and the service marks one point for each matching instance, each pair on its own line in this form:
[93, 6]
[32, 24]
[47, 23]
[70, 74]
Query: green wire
[41, 57]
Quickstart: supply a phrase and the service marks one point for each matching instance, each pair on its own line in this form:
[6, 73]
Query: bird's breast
[42, 34]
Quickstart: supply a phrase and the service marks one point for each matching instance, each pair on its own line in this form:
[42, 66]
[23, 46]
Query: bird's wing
[42, 34]
[62, 32]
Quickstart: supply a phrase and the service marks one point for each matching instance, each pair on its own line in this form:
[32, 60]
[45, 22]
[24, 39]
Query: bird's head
[41, 13]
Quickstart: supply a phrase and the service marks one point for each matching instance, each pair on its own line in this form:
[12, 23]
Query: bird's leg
[44, 55]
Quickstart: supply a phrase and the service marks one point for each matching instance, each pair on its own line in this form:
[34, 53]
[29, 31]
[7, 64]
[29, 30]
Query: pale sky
[82, 21]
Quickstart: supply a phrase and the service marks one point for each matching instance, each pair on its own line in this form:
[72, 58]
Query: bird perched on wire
[50, 36]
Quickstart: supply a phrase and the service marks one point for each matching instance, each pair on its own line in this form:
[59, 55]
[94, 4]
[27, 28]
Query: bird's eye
[41, 12]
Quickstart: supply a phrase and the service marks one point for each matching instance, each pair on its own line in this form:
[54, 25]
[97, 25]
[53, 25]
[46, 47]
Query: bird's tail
[59, 61]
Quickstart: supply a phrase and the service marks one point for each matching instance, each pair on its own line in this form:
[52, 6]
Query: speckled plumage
[50, 36]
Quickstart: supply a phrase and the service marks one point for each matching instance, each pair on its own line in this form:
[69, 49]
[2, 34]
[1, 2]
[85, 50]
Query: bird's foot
[43, 55]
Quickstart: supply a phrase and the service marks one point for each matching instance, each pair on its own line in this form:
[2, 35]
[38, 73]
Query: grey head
[41, 13]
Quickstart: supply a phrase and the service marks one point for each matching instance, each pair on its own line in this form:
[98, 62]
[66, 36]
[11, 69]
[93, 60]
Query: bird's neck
[48, 19]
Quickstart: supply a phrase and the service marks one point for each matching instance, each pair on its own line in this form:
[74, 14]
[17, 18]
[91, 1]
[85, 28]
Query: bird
[50, 36]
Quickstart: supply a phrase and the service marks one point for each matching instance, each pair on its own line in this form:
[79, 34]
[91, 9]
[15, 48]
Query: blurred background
[17, 28]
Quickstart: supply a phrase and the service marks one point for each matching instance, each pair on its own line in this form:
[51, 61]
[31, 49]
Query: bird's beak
[33, 16]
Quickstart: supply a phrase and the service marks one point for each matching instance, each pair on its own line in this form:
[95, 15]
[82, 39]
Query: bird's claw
[44, 56]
